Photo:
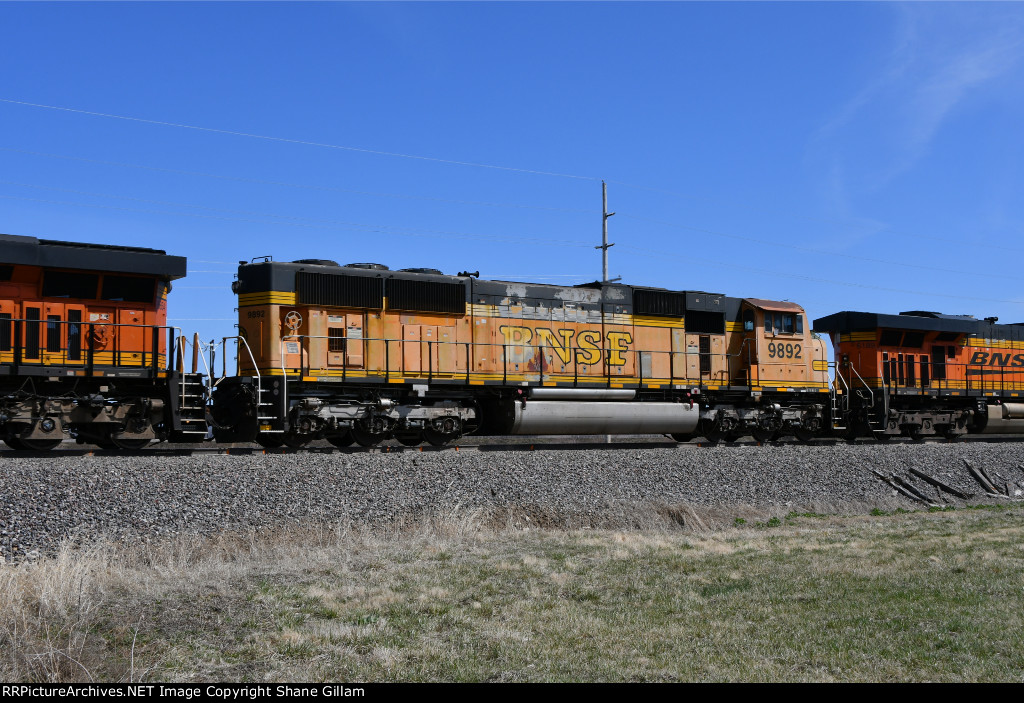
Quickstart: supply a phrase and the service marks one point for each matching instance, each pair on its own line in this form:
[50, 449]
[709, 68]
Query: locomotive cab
[778, 350]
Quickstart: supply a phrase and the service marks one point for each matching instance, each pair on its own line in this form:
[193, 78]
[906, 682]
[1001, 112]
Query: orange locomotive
[83, 347]
[362, 353]
[924, 373]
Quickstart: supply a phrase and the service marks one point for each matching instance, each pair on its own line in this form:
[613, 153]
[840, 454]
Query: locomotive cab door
[7, 315]
[747, 357]
[62, 342]
[133, 338]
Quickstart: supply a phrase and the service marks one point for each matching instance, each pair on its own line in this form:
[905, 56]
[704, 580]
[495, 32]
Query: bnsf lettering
[588, 352]
[587, 344]
[989, 359]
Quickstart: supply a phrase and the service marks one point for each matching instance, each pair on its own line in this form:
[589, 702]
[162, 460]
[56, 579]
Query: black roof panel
[50, 253]
[851, 321]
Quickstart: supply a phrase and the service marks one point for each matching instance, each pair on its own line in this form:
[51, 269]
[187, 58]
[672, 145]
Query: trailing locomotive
[924, 373]
[84, 347]
[362, 353]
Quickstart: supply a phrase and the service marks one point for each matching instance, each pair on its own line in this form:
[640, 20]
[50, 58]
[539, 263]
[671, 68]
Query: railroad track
[527, 444]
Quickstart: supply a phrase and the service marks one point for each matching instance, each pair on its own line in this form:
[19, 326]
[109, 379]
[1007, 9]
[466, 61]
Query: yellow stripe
[818, 365]
[649, 321]
[267, 298]
[995, 343]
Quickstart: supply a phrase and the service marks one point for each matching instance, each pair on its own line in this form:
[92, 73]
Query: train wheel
[711, 431]
[296, 441]
[341, 440]
[370, 432]
[882, 436]
[128, 443]
[763, 435]
[803, 435]
[409, 439]
[916, 435]
[713, 436]
[269, 441]
[32, 445]
[368, 439]
[438, 439]
[680, 437]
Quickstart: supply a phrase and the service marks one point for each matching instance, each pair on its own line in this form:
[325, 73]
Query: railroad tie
[982, 479]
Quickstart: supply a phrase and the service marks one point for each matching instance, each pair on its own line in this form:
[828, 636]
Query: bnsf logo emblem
[587, 344]
[988, 359]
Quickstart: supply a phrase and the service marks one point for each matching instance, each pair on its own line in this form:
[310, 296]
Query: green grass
[883, 597]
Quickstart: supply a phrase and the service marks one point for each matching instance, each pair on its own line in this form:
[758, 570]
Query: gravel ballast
[129, 498]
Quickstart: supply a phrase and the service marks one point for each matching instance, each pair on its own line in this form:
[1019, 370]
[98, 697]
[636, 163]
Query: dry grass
[923, 596]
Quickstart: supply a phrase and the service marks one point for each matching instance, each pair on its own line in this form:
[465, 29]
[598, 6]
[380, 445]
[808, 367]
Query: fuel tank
[546, 417]
[1005, 419]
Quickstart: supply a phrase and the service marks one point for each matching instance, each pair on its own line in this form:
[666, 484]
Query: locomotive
[85, 349]
[924, 373]
[362, 354]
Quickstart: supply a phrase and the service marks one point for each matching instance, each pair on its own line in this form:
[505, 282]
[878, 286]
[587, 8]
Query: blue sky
[861, 156]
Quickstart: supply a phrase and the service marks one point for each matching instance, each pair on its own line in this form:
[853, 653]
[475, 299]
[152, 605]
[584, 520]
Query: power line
[379, 228]
[307, 186]
[299, 141]
[313, 224]
[930, 238]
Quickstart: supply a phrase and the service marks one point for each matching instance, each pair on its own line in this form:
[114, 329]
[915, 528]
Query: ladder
[192, 406]
[264, 396]
[264, 405]
[840, 406]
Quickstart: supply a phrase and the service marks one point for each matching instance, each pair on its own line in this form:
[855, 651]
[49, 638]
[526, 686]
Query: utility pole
[604, 232]
[604, 250]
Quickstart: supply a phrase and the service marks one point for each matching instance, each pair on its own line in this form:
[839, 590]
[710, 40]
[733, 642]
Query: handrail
[575, 368]
[13, 330]
[238, 365]
[864, 383]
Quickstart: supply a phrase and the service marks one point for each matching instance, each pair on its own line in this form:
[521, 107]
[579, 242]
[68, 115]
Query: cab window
[748, 321]
[783, 323]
